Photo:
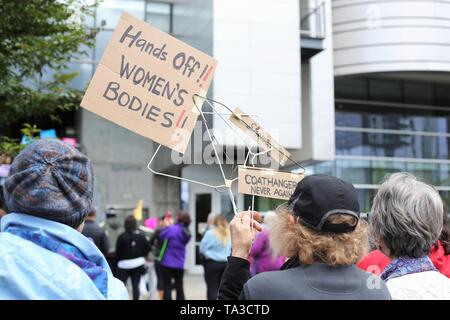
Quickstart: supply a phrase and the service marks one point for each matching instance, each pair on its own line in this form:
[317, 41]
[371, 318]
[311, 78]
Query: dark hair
[130, 224]
[184, 218]
[92, 213]
[445, 234]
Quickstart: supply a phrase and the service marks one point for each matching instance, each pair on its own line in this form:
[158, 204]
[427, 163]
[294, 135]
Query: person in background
[210, 221]
[406, 219]
[43, 254]
[376, 261]
[440, 252]
[93, 231]
[172, 263]
[261, 255]
[320, 230]
[209, 224]
[158, 248]
[131, 251]
[215, 247]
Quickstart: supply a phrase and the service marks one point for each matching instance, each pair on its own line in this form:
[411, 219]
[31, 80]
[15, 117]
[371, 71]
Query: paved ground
[194, 288]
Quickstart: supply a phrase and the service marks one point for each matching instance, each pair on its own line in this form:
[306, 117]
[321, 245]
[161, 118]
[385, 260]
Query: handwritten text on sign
[146, 81]
[267, 183]
[259, 135]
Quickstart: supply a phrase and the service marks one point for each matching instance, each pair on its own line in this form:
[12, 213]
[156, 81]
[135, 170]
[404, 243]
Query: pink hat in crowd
[151, 223]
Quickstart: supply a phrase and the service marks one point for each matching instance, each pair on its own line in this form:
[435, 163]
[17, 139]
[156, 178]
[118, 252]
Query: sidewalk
[194, 288]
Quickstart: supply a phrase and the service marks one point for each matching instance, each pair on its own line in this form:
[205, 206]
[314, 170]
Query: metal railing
[312, 19]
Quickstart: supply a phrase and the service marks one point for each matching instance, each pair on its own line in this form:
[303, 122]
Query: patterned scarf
[93, 269]
[403, 266]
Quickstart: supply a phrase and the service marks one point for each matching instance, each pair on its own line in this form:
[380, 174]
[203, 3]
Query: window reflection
[109, 11]
[159, 15]
[361, 116]
[107, 16]
[391, 145]
[373, 172]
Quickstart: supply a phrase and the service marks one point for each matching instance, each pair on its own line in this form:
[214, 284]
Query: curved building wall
[390, 36]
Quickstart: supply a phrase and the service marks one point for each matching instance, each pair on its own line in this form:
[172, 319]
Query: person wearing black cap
[320, 230]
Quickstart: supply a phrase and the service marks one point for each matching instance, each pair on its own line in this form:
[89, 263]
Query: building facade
[353, 88]
[392, 92]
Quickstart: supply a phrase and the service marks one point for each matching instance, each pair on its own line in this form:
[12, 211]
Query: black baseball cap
[319, 196]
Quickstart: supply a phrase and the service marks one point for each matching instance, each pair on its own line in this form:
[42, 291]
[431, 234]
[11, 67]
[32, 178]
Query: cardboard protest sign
[259, 135]
[267, 183]
[146, 82]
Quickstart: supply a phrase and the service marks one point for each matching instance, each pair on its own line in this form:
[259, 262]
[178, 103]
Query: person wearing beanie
[43, 254]
[320, 230]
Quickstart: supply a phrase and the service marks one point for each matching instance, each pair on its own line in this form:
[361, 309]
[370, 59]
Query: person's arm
[236, 274]
[237, 271]
[120, 248]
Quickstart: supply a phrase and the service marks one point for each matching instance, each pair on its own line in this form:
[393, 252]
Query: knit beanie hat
[52, 180]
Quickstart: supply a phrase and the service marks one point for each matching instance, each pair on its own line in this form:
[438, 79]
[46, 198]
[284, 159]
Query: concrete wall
[120, 160]
[257, 45]
[387, 36]
[317, 81]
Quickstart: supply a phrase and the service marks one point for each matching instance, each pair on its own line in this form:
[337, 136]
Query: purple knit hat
[52, 180]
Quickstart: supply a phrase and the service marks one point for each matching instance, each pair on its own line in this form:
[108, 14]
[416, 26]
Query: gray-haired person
[320, 230]
[406, 218]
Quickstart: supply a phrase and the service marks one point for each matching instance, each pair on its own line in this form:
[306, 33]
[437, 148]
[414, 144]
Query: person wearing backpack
[132, 248]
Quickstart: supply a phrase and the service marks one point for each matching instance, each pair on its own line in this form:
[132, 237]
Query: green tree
[37, 37]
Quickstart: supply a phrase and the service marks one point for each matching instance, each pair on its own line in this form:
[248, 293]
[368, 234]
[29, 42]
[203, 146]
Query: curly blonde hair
[289, 237]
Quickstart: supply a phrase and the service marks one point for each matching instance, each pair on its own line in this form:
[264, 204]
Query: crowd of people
[315, 246]
[321, 232]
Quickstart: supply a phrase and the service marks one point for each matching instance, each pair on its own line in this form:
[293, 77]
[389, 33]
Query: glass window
[101, 41]
[445, 195]
[321, 168]
[351, 88]
[390, 117]
[391, 145]
[418, 93]
[380, 169]
[159, 15]
[262, 204]
[374, 171]
[365, 199]
[109, 11]
[443, 95]
[85, 70]
[385, 90]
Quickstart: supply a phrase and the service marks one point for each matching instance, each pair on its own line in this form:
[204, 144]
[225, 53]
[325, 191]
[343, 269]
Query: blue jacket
[213, 249]
[29, 271]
